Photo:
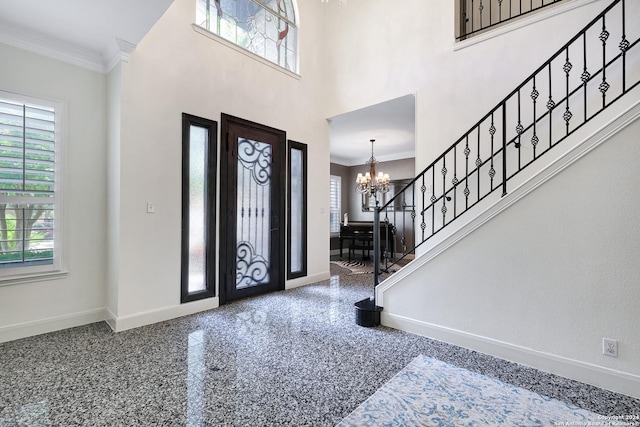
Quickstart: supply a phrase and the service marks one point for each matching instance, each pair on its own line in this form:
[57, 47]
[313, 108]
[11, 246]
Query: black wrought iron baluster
[467, 151]
[567, 112]
[444, 190]
[464, 20]
[550, 105]
[491, 13]
[519, 130]
[473, 13]
[504, 148]
[433, 199]
[413, 213]
[534, 97]
[604, 86]
[423, 224]
[478, 164]
[624, 46]
[585, 76]
[403, 239]
[388, 235]
[387, 243]
[455, 181]
[492, 132]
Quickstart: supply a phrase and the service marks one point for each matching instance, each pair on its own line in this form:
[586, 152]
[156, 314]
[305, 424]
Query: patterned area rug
[432, 393]
[356, 267]
[365, 267]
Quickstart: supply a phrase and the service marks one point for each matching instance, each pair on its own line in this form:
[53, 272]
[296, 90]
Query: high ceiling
[391, 124]
[85, 32]
[80, 31]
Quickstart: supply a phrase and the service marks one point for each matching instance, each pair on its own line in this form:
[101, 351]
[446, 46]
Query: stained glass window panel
[266, 28]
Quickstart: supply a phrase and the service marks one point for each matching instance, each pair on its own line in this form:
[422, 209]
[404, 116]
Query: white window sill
[213, 36]
[18, 279]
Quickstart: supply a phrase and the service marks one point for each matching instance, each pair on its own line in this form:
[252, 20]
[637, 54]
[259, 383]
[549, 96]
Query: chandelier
[371, 182]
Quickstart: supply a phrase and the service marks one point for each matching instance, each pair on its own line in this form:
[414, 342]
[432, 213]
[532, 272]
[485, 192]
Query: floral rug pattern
[428, 392]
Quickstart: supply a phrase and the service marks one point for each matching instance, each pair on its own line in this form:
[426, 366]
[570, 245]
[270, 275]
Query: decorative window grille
[30, 203]
[334, 210]
[266, 28]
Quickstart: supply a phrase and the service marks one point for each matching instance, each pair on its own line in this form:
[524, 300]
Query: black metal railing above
[593, 70]
[479, 15]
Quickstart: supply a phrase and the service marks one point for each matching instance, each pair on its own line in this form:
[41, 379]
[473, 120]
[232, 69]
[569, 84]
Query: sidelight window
[335, 184]
[297, 210]
[199, 154]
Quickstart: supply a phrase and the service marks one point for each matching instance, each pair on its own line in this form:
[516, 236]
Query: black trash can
[367, 313]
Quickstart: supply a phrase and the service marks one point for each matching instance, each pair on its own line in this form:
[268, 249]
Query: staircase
[585, 77]
[526, 228]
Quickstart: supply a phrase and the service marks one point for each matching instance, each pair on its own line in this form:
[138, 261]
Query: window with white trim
[30, 179]
[334, 204]
[266, 28]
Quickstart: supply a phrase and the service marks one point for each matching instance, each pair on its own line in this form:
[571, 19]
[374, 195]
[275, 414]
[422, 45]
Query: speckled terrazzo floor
[289, 358]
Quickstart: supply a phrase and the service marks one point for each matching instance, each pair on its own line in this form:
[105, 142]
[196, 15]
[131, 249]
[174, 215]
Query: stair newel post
[367, 312]
[376, 248]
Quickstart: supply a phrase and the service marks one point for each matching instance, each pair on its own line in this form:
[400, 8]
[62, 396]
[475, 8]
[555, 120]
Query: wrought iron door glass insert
[253, 224]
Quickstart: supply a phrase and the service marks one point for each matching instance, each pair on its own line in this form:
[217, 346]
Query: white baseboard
[610, 379]
[51, 324]
[122, 323]
[307, 280]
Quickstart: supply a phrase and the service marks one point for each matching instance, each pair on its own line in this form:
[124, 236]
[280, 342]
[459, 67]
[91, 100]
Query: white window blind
[29, 201]
[334, 209]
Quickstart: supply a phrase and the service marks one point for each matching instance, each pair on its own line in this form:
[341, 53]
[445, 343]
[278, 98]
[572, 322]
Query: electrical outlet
[609, 347]
[151, 208]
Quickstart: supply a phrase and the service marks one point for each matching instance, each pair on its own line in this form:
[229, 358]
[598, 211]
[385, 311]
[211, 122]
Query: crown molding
[117, 51]
[102, 62]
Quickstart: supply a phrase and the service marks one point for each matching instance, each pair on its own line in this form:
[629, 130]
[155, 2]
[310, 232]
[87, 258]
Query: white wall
[551, 275]
[42, 306]
[174, 70]
[545, 280]
[411, 49]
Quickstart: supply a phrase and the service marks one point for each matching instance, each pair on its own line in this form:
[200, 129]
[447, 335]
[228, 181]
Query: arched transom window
[264, 27]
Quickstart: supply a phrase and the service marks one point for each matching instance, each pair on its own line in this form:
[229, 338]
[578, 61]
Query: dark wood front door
[252, 209]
